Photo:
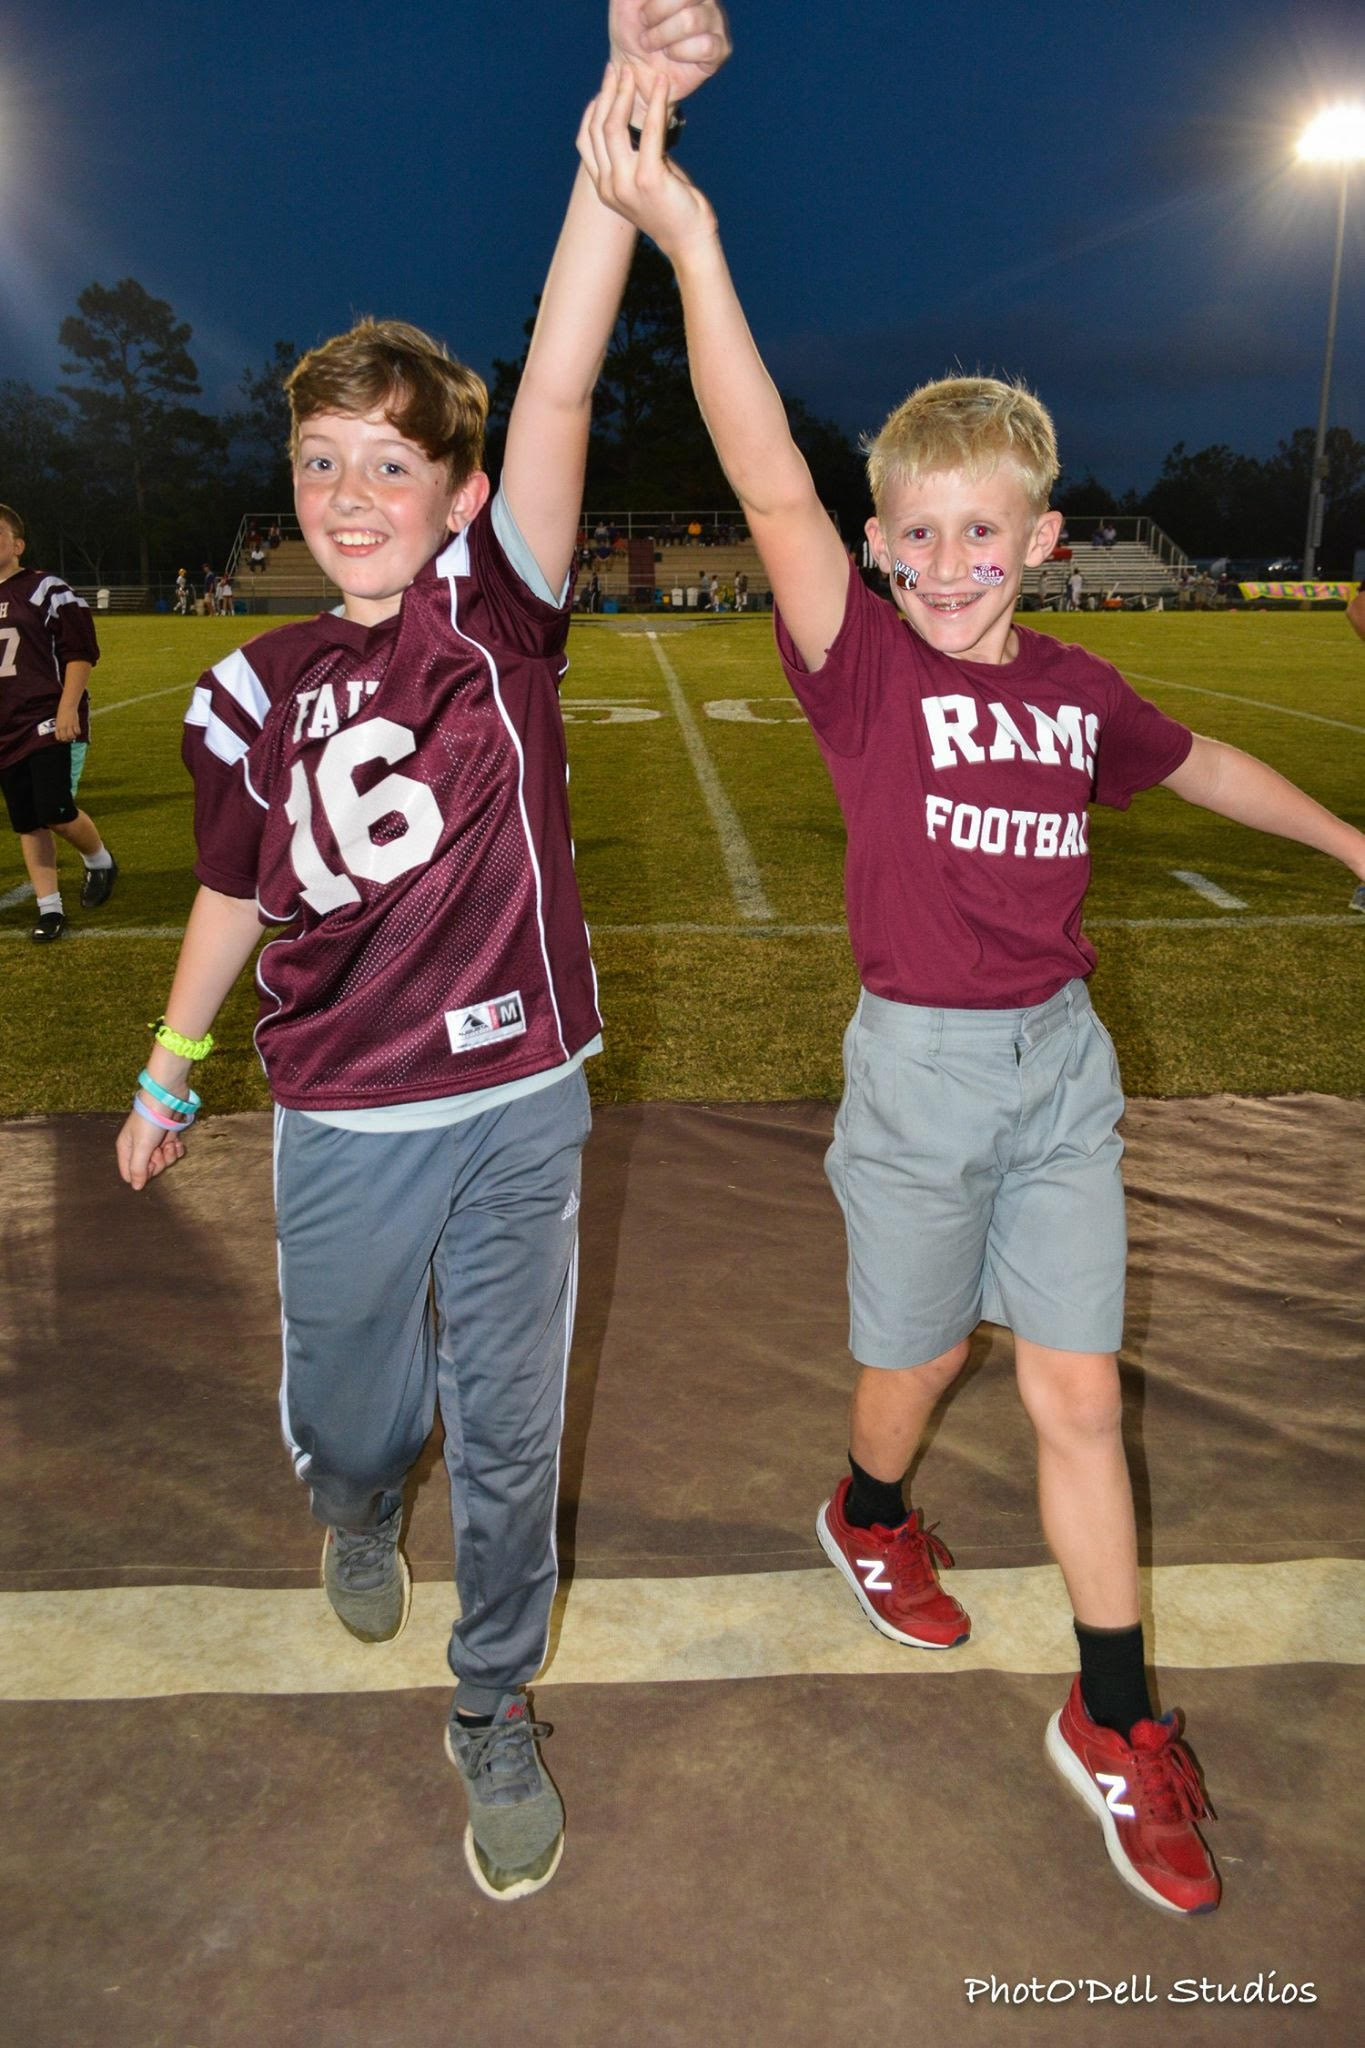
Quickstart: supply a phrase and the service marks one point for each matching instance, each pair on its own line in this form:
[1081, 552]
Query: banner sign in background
[1339, 593]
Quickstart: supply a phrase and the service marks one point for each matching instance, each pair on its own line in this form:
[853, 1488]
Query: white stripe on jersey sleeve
[60, 593]
[236, 675]
[453, 559]
[219, 738]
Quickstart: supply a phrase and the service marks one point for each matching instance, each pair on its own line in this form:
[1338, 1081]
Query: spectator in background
[223, 597]
[742, 591]
[1075, 586]
[255, 560]
[274, 537]
[1045, 589]
[183, 599]
[210, 586]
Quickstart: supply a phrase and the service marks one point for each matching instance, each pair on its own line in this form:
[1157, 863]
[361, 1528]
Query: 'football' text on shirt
[1066, 738]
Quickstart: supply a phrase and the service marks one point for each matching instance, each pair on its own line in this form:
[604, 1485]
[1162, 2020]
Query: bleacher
[640, 572]
[1141, 567]
[680, 575]
[292, 582]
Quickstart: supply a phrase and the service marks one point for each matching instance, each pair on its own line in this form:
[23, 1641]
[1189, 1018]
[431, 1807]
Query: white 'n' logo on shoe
[874, 1578]
[1113, 1798]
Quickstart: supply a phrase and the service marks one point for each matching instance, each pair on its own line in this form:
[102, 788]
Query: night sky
[1103, 201]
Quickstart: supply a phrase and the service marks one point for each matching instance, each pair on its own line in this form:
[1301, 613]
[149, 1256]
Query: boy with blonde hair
[387, 788]
[975, 1154]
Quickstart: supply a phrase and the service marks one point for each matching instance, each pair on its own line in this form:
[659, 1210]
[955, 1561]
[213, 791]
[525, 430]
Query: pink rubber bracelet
[165, 1123]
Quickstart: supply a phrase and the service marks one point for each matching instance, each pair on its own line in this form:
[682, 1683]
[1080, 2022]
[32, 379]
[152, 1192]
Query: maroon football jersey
[964, 787]
[43, 626]
[397, 795]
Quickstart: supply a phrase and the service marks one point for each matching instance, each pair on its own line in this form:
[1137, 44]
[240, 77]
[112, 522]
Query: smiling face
[952, 529]
[374, 507]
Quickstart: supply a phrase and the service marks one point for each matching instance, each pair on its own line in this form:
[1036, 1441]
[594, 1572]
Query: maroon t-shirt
[397, 795]
[964, 788]
[43, 626]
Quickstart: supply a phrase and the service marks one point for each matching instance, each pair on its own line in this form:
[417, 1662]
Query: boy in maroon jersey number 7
[47, 650]
[975, 1154]
[389, 786]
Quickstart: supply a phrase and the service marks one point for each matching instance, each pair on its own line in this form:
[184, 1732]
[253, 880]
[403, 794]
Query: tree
[260, 433]
[649, 450]
[1206, 501]
[133, 424]
[1283, 499]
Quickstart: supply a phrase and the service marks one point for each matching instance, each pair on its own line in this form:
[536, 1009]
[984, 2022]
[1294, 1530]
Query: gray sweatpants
[478, 1219]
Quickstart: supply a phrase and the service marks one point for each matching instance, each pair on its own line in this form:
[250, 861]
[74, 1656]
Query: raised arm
[1238, 786]
[678, 45]
[801, 550]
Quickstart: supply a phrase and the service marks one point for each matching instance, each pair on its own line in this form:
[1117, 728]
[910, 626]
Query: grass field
[710, 856]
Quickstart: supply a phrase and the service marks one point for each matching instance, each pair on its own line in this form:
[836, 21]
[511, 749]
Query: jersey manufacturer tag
[486, 1023]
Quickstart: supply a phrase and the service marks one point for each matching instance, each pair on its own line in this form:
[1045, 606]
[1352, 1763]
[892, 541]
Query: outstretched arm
[1238, 786]
[744, 415]
[679, 45]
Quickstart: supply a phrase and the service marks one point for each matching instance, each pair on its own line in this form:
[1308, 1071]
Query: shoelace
[1169, 1782]
[362, 1553]
[918, 1550]
[502, 1759]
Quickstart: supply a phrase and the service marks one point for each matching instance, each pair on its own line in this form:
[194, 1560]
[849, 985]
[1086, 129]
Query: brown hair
[11, 519]
[388, 366]
[971, 424]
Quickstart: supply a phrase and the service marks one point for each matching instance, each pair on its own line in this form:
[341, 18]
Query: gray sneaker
[515, 1835]
[367, 1580]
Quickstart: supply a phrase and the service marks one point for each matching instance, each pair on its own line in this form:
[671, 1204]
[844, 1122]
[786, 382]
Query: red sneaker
[1146, 1794]
[892, 1572]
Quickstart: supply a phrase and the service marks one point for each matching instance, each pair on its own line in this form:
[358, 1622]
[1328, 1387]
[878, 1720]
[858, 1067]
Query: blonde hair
[388, 366]
[967, 423]
[11, 519]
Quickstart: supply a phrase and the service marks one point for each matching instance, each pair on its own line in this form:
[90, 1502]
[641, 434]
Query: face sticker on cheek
[904, 575]
[989, 574]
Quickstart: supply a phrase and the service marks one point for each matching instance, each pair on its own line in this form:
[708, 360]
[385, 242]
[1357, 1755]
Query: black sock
[473, 1720]
[1114, 1677]
[873, 1500]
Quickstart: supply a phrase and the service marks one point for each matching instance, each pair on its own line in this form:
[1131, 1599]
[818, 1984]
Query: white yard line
[148, 1642]
[15, 896]
[1210, 891]
[745, 883]
[1257, 703]
[185, 690]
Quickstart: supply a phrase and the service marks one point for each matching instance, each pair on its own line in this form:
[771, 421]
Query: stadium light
[1335, 136]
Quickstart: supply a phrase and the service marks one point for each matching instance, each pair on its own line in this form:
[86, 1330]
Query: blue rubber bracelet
[144, 1112]
[164, 1095]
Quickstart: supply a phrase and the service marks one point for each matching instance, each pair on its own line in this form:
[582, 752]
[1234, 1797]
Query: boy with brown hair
[47, 650]
[387, 787]
[975, 1154]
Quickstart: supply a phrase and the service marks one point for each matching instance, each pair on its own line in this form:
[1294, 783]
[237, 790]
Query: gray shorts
[976, 1161]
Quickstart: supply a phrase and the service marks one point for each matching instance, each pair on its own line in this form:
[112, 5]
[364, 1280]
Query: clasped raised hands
[641, 184]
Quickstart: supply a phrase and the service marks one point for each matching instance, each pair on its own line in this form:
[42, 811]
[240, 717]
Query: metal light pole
[1337, 136]
[1312, 539]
